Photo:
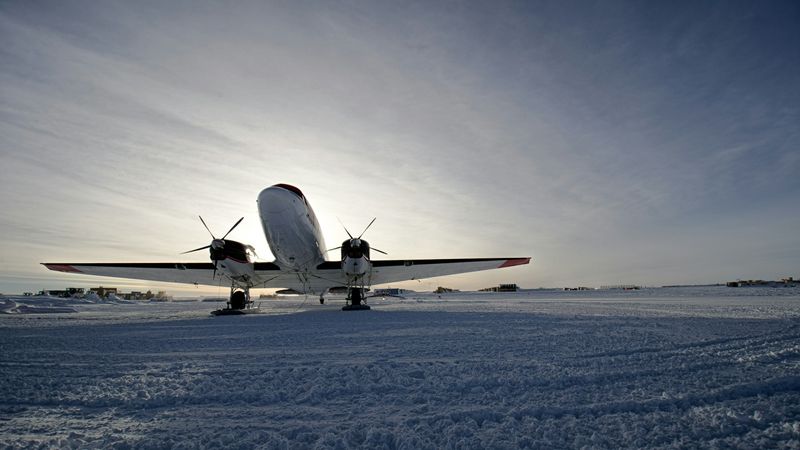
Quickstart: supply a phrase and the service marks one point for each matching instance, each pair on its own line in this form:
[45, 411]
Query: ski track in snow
[665, 368]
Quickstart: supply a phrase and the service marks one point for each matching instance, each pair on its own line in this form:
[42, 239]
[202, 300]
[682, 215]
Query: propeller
[357, 240]
[216, 244]
[229, 231]
[345, 229]
[371, 248]
[365, 229]
[196, 250]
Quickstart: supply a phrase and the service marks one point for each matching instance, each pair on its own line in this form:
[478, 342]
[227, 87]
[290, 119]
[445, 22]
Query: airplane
[295, 239]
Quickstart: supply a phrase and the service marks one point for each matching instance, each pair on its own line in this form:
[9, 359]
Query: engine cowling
[237, 251]
[355, 248]
[355, 257]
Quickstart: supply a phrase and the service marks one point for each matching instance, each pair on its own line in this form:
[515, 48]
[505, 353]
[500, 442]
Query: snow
[677, 367]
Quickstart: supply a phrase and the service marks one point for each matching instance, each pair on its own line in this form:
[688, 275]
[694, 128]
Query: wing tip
[69, 268]
[515, 262]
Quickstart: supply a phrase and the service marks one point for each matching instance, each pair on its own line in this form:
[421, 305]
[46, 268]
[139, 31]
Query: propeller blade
[345, 228]
[215, 270]
[204, 224]
[234, 226]
[196, 250]
[379, 251]
[365, 229]
[332, 249]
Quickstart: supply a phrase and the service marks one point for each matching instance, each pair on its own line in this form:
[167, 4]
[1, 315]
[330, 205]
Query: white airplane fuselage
[291, 228]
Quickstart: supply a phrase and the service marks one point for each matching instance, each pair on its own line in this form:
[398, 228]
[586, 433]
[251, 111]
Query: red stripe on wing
[515, 262]
[62, 268]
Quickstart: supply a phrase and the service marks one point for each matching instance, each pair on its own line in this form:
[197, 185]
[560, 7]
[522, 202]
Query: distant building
[68, 292]
[103, 291]
[509, 287]
[784, 282]
[392, 292]
[443, 290]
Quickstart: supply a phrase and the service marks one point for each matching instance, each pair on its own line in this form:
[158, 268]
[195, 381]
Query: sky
[614, 142]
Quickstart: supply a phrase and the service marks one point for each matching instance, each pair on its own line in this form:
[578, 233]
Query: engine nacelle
[230, 249]
[355, 248]
[355, 257]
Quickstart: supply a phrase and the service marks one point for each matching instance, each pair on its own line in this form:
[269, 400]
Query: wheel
[238, 300]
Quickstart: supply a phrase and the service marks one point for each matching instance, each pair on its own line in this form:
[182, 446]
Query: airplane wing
[269, 275]
[392, 271]
[190, 273]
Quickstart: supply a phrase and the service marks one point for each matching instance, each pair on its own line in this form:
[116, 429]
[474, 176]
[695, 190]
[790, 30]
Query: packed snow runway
[710, 367]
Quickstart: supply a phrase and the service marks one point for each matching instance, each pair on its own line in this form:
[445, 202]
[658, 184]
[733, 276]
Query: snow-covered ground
[678, 367]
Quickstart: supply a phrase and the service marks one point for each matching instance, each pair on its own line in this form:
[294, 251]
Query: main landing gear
[355, 297]
[239, 303]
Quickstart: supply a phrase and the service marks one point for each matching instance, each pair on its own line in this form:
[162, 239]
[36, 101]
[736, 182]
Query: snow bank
[11, 307]
[463, 372]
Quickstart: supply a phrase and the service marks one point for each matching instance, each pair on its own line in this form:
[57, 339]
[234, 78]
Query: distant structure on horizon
[68, 292]
[784, 282]
[102, 292]
[391, 292]
[444, 290]
[508, 287]
[624, 287]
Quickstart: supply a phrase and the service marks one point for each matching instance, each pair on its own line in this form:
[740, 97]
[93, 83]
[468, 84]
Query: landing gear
[239, 303]
[355, 296]
[238, 300]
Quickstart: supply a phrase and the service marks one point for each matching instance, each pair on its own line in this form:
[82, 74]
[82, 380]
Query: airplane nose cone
[274, 200]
